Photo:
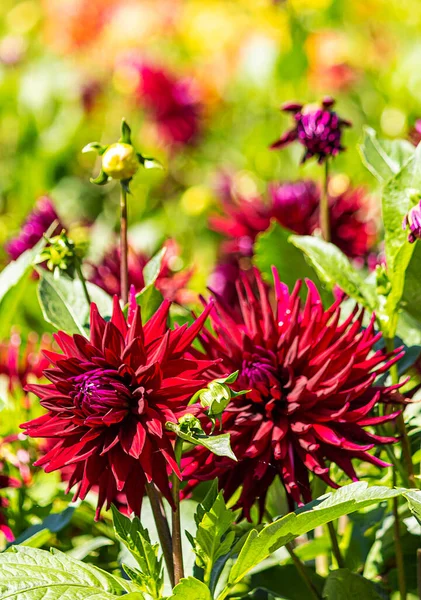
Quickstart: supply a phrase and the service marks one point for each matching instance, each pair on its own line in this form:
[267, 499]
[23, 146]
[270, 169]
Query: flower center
[101, 393]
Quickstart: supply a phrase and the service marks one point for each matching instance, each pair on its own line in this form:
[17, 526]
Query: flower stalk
[83, 282]
[336, 551]
[177, 549]
[162, 528]
[303, 572]
[124, 269]
[324, 205]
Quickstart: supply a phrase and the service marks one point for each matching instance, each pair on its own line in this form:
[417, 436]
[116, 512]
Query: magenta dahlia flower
[171, 102]
[172, 285]
[295, 206]
[318, 130]
[6, 482]
[313, 391]
[109, 399]
[413, 221]
[37, 223]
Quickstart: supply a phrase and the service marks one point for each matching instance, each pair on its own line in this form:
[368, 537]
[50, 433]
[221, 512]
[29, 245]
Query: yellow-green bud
[120, 161]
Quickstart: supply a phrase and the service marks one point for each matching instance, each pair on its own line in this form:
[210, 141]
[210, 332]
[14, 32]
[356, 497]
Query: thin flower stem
[177, 549]
[301, 568]
[335, 545]
[83, 282]
[124, 272]
[400, 423]
[398, 546]
[162, 528]
[394, 374]
[419, 571]
[324, 205]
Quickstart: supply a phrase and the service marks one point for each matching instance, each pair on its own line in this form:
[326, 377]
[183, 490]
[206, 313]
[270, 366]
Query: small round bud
[120, 161]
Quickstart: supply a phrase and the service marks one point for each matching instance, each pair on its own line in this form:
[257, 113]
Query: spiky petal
[109, 399]
[312, 381]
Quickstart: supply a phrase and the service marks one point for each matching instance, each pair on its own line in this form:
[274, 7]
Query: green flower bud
[120, 161]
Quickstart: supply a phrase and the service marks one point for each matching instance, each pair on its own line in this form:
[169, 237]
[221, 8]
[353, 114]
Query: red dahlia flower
[37, 223]
[313, 390]
[109, 399]
[318, 130]
[22, 363]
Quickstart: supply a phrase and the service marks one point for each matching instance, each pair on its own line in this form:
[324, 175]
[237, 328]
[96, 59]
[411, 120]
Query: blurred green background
[67, 78]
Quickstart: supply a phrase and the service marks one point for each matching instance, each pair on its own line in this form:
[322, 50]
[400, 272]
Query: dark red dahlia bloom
[295, 205]
[413, 221]
[318, 130]
[36, 224]
[172, 285]
[109, 399]
[243, 220]
[353, 222]
[313, 392]
[170, 101]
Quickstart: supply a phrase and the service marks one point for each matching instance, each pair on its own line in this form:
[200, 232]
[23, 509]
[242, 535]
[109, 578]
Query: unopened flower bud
[412, 220]
[120, 161]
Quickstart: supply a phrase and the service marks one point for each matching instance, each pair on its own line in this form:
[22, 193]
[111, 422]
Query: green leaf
[384, 158]
[398, 198]
[259, 545]
[64, 305]
[83, 550]
[32, 574]
[413, 497]
[344, 585]
[14, 281]
[412, 287]
[217, 444]
[153, 267]
[136, 539]
[190, 589]
[334, 268]
[273, 248]
[149, 299]
[214, 537]
[37, 535]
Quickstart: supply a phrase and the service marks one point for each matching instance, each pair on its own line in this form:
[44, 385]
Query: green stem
[162, 528]
[124, 249]
[400, 423]
[406, 455]
[301, 568]
[83, 282]
[335, 545]
[177, 549]
[324, 206]
[398, 546]
[419, 571]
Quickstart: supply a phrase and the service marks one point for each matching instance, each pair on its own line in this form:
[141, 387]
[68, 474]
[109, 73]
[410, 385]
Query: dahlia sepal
[190, 430]
[94, 147]
[216, 397]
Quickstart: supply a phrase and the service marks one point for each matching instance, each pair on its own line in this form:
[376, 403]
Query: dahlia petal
[117, 317]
